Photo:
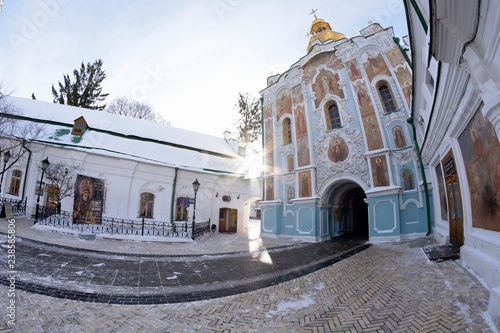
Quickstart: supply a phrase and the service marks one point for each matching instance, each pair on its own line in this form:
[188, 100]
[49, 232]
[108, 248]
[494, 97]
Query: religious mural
[300, 123]
[326, 83]
[370, 121]
[270, 189]
[374, 64]
[88, 200]
[283, 103]
[442, 193]
[297, 96]
[404, 79]
[305, 184]
[353, 70]
[395, 57]
[269, 145]
[399, 137]
[337, 150]
[303, 158]
[290, 163]
[481, 153]
[379, 171]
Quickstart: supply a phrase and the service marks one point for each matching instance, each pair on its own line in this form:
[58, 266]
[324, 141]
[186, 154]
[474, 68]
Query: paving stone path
[384, 288]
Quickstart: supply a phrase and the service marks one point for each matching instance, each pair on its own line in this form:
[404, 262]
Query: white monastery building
[131, 168]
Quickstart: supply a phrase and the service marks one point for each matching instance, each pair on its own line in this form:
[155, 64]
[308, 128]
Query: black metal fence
[116, 226]
[18, 206]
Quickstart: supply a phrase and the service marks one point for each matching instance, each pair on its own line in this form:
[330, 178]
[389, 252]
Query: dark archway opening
[358, 213]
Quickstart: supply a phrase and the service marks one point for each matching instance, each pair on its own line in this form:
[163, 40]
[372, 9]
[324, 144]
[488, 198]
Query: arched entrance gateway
[348, 209]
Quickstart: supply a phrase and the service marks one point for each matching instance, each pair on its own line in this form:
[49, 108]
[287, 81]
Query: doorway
[454, 196]
[52, 193]
[228, 220]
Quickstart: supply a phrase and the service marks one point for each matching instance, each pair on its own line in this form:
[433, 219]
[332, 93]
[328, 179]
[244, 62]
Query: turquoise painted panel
[385, 212]
[305, 222]
[411, 220]
[289, 224]
[271, 219]
[325, 230]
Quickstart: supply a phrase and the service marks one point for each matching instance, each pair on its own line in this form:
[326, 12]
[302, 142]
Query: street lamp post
[196, 186]
[45, 165]
[6, 158]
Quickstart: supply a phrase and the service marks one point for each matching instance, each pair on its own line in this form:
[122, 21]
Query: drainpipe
[172, 204]
[426, 191]
[27, 166]
[262, 138]
[410, 120]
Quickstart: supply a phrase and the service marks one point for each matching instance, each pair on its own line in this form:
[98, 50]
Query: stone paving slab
[385, 288]
[210, 243]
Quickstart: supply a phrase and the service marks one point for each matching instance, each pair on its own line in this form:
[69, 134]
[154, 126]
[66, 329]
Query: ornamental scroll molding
[346, 51]
[355, 163]
[268, 95]
[399, 116]
[288, 149]
[384, 38]
[404, 157]
[289, 179]
[294, 77]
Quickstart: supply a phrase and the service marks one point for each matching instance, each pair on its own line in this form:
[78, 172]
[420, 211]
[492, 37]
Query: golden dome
[320, 29]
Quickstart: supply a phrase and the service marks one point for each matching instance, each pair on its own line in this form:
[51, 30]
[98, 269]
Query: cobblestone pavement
[385, 288]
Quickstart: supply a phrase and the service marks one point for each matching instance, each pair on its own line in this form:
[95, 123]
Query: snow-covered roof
[126, 137]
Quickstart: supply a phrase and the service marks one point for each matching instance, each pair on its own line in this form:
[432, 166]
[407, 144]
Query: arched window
[387, 97]
[147, 205]
[289, 163]
[332, 116]
[15, 182]
[408, 183]
[287, 131]
[291, 195]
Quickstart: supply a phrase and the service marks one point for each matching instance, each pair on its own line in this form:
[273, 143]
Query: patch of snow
[320, 286]
[172, 277]
[98, 265]
[305, 301]
[79, 273]
[44, 255]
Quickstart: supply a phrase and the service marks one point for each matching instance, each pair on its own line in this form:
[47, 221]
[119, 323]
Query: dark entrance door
[228, 219]
[454, 200]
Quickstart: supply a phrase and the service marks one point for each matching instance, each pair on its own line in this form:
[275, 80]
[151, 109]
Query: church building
[338, 150]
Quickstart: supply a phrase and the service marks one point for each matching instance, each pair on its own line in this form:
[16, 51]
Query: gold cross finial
[314, 13]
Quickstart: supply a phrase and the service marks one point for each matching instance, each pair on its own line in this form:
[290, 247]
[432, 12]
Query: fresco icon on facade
[399, 138]
[379, 171]
[374, 64]
[326, 83]
[305, 184]
[337, 150]
[283, 103]
[481, 152]
[88, 202]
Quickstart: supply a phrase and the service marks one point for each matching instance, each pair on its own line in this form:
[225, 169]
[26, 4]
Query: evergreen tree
[249, 124]
[86, 90]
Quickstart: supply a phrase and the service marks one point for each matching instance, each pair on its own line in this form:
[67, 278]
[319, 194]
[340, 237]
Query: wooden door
[455, 212]
[233, 220]
[52, 192]
[223, 214]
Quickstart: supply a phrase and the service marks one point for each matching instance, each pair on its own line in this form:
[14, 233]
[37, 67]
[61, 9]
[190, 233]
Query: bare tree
[62, 177]
[130, 108]
[16, 135]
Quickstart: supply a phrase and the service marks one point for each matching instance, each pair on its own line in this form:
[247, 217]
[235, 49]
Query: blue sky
[188, 59]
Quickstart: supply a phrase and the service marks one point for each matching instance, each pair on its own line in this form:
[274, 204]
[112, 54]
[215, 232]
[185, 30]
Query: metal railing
[117, 226]
[18, 206]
